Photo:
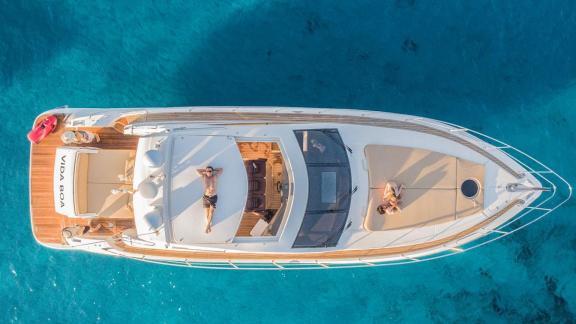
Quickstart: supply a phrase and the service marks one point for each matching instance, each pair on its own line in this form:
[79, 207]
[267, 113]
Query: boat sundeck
[300, 188]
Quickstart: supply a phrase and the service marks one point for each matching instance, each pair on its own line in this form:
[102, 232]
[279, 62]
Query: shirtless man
[209, 176]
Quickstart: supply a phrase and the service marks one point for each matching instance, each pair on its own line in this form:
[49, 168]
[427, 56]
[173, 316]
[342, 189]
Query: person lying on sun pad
[391, 199]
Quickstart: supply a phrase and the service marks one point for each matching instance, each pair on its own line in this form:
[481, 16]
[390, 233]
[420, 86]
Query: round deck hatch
[470, 188]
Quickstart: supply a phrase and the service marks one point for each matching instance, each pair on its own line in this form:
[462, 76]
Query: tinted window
[321, 230]
[329, 187]
[322, 146]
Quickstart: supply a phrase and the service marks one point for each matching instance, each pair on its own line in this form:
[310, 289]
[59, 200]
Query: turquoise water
[506, 68]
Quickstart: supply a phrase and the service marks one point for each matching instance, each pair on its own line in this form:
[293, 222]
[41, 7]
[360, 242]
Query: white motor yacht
[299, 188]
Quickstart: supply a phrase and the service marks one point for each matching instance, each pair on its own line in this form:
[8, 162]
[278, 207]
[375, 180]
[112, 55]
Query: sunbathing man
[391, 199]
[209, 176]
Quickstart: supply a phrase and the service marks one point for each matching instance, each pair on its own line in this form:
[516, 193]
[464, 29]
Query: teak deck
[270, 152]
[46, 223]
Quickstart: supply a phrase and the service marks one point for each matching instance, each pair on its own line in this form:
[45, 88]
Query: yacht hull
[515, 187]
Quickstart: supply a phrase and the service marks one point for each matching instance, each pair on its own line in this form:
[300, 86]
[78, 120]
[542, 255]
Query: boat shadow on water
[32, 33]
[405, 56]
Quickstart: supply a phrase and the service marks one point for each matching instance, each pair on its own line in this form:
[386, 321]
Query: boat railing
[555, 192]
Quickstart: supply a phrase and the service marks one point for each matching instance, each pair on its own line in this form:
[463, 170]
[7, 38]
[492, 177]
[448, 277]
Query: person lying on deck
[391, 199]
[209, 176]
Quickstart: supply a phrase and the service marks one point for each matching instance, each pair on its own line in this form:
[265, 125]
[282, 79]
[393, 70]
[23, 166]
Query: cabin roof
[181, 190]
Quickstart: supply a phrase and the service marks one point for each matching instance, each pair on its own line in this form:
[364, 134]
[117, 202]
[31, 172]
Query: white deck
[187, 215]
[196, 145]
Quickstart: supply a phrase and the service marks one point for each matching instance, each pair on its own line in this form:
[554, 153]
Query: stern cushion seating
[96, 176]
[432, 186]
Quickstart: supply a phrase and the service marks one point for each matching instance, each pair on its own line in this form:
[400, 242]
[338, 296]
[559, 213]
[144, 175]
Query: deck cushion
[413, 167]
[97, 194]
[81, 184]
[116, 206]
[106, 165]
[432, 181]
[98, 173]
[419, 207]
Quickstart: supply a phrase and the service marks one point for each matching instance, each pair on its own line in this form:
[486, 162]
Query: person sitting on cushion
[391, 199]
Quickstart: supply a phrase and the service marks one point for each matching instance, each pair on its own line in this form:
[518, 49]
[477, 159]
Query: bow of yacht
[299, 188]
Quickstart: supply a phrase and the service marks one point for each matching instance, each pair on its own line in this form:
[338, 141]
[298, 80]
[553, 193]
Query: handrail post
[322, 264]
[494, 231]
[277, 265]
[367, 263]
[411, 258]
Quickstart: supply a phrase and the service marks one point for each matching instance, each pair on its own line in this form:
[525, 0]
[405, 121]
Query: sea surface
[505, 68]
